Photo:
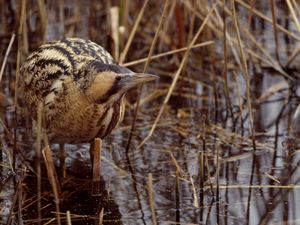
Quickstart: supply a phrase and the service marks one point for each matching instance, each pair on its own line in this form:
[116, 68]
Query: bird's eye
[118, 78]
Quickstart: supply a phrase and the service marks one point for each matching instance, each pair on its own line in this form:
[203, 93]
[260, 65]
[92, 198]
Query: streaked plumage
[80, 87]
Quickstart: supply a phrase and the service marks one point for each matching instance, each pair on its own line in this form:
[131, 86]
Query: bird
[81, 89]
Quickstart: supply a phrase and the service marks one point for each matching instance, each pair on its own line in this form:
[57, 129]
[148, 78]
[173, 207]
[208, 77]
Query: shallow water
[260, 186]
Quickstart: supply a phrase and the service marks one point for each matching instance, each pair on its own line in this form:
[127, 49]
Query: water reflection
[258, 186]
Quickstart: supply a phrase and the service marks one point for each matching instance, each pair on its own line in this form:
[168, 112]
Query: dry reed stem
[262, 16]
[218, 17]
[114, 15]
[69, 221]
[44, 20]
[20, 30]
[101, 214]
[120, 170]
[153, 44]
[219, 20]
[201, 169]
[294, 54]
[272, 90]
[6, 55]
[62, 18]
[276, 66]
[10, 161]
[295, 19]
[52, 176]
[97, 159]
[273, 10]
[269, 59]
[178, 168]
[10, 136]
[133, 32]
[251, 12]
[195, 196]
[272, 178]
[176, 77]
[225, 67]
[208, 175]
[151, 199]
[96, 177]
[164, 38]
[244, 72]
[135, 62]
[296, 7]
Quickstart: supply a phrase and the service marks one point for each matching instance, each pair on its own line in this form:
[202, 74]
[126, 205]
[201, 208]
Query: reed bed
[213, 141]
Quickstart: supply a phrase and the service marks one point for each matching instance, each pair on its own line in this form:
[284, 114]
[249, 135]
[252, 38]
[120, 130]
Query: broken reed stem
[6, 55]
[52, 176]
[97, 159]
[69, 221]
[132, 33]
[176, 77]
[96, 167]
[101, 214]
[203, 44]
[245, 73]
[145, 70]
[151, 199]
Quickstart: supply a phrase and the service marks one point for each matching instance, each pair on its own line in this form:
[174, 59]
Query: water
[248, 187]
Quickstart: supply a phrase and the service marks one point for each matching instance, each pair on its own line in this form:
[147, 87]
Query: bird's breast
[82, 124]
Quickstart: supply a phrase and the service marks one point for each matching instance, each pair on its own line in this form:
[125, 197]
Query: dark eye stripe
[113, 90]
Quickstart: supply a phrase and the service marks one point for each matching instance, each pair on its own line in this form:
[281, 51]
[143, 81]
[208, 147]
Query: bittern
[80, 87]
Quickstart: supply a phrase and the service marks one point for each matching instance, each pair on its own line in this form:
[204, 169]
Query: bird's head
[112, 81]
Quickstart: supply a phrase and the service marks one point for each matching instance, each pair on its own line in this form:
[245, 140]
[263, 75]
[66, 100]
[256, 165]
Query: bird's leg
[62, 160]
[95, 149]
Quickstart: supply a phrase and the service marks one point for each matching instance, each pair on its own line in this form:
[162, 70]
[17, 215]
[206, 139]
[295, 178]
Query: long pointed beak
[131, 80]
[143, 77]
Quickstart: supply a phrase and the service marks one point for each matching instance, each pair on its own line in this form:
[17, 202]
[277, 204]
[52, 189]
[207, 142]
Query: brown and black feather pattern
[74, 80]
